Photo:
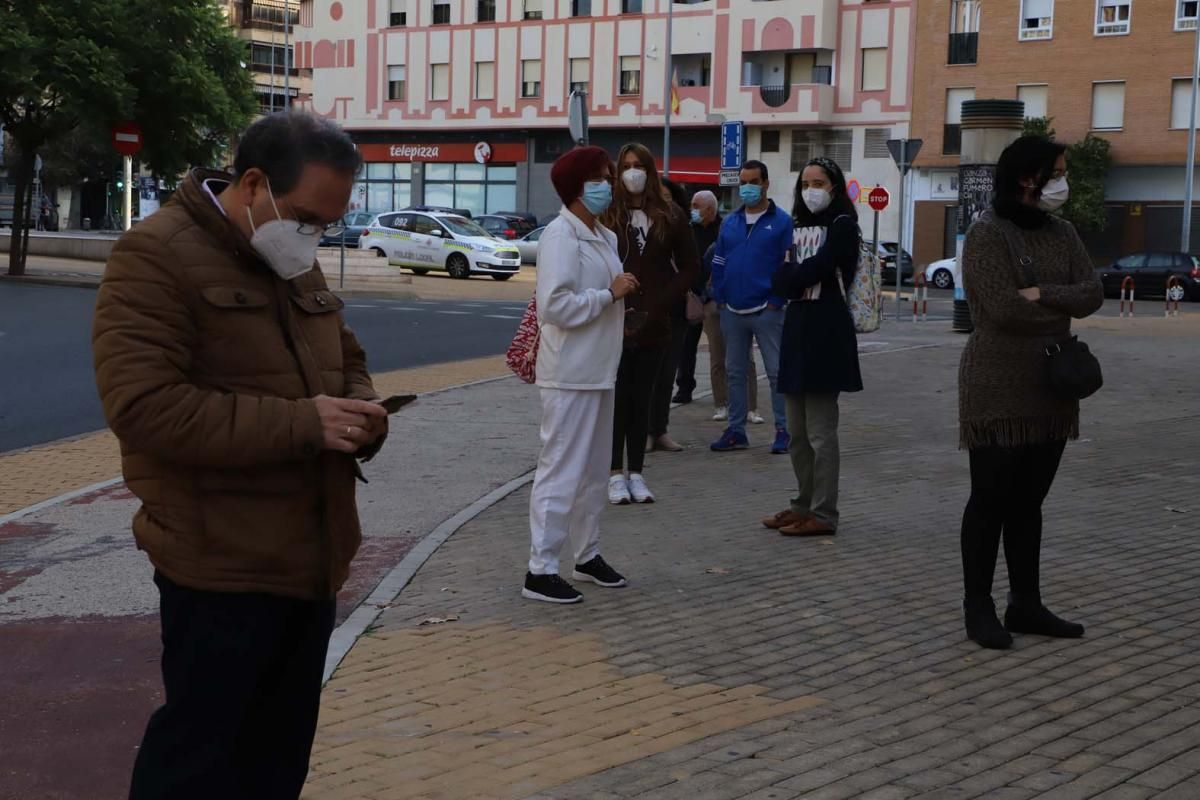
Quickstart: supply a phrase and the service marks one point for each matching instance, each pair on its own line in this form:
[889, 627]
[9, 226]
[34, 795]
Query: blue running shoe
[730, 440]
[782, 441]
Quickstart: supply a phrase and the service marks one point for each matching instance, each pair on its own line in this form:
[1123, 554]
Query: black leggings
[631, 419]
[1008, 485]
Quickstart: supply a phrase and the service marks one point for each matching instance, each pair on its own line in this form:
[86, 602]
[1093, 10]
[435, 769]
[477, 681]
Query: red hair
[573, 168]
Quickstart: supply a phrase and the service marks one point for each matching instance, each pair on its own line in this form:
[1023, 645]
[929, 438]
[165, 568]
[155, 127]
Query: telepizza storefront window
[482, 189]
[388, 187]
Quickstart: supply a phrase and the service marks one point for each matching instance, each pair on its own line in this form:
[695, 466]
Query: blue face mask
[750, 193]
[695, 216]
[597, 196]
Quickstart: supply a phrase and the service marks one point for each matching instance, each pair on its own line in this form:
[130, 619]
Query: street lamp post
[287, 54]
[1186, 237]
[667, 93]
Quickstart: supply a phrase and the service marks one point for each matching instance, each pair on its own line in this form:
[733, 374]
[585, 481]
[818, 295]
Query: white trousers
[570, 485]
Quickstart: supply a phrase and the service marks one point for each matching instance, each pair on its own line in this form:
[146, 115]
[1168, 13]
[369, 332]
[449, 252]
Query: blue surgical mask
[597, 196]
[695, 216]
[750, 193]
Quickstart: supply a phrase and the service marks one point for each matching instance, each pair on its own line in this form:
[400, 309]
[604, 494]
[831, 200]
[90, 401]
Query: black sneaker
[550, 589]
[598, 572]
[682, 397]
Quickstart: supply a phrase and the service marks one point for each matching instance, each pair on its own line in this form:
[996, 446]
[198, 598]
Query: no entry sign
[878, 198]
[127, 138]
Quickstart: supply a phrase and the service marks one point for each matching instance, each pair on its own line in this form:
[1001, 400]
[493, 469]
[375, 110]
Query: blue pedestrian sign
[733, 145]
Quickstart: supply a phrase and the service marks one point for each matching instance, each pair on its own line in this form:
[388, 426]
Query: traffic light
[120, 184]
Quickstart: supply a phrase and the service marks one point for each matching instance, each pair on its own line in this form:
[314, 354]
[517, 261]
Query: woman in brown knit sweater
[655, 243]
[1011, 422]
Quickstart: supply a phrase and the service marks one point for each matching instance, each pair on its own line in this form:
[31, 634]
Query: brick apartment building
[1118, 68]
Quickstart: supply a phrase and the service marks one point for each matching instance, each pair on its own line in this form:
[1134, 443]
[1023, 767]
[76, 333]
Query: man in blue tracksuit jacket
[753, 243]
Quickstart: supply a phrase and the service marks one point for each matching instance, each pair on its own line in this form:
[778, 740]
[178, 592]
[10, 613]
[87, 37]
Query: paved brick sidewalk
[740, 664]
[39, 473]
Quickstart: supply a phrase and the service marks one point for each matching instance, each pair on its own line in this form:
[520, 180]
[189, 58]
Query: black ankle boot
[983, 627]
[1037, 619]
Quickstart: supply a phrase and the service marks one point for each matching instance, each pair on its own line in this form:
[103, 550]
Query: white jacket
[583, 330]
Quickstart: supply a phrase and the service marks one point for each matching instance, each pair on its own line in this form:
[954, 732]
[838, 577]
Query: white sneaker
[618, 491]
[720, 414]
[637, 487]
[755, 418]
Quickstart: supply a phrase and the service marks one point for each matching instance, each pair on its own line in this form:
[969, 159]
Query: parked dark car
[353, 225]
[503, 226]
[1150, 271]
[887, 257]
[525, 215]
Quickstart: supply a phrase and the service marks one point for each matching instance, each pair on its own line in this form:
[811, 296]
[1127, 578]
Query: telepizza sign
[452, 152]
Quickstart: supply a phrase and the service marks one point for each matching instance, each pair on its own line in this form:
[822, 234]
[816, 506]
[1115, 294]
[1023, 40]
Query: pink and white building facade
[463, 103]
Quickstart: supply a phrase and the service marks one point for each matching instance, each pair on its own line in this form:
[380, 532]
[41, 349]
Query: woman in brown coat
[655, 243]
[1011, 422]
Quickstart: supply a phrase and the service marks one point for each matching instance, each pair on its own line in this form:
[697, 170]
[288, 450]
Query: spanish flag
[675, 91]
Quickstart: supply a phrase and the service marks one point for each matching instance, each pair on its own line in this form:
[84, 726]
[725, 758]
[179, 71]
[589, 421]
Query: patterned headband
[830, 166]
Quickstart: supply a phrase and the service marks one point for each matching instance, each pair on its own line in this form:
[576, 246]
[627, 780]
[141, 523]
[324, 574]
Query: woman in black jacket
[819, 357]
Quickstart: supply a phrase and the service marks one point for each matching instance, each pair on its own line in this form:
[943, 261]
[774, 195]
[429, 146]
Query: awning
[694, 169]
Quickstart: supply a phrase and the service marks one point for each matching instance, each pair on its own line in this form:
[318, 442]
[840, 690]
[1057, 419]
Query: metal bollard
[921, 291]
[1171, 282]
[1128, 282]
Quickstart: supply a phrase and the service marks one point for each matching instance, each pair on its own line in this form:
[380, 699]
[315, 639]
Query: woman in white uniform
[580, 288]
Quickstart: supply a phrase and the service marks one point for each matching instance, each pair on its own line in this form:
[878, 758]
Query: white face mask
[1054, 194]
[634, 180]
[817, 200]
[287, 251]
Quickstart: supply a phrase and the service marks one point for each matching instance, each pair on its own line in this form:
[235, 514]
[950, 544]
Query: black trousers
[1008, 486]
[685, 377]
[631, 417]
[242, 674]
[664, 382]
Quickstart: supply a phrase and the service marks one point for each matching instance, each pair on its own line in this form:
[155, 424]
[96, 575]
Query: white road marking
[464, 313]
[501, 316]
[356, 305]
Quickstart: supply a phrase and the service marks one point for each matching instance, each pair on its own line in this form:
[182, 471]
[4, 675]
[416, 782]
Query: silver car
[528, 245]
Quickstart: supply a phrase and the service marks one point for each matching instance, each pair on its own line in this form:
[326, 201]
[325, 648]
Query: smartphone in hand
[397, 402]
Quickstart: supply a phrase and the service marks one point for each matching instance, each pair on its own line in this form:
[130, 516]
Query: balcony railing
[269, 14]
[775, 95]
[964, 48]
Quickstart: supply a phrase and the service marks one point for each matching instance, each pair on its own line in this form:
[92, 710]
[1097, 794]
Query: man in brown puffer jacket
[241, 400]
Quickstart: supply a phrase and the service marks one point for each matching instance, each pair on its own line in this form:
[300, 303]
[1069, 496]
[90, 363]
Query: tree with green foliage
[71, 69]
[1088, 162]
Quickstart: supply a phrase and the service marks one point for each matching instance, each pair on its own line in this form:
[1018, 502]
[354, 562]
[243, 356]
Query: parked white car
[527, 245]
[940, 274]
[432, 241]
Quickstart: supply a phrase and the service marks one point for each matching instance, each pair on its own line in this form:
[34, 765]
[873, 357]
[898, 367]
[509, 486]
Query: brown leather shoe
[784, 518]
[665, 443]
[809, 527]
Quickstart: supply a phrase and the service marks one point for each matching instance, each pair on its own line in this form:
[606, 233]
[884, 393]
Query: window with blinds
[1186, 12]
[485, 80]
[1108, 106]
[837, 145]
[874, 69]
[439, 82]
[631, 75]
[397, 85]
[399, 13]
[531, 78]
[581, 73]
[1037, 19]
[875, 143]
[952, 129]
[441, 12]
[1181, 102]
[533, 9]
[1035, 98]
[1112, 17]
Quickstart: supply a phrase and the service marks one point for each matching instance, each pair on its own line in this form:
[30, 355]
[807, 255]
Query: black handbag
[1074, 371]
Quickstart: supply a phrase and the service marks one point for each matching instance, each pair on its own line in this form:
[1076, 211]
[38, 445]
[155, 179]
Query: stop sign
[878, 198]
[127, 138]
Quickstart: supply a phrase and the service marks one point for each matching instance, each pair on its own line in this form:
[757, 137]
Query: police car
[428, 241]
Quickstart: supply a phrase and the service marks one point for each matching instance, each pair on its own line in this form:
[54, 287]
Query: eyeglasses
[311, 228]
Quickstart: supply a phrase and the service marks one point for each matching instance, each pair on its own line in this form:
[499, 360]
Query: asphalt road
[47, 390]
